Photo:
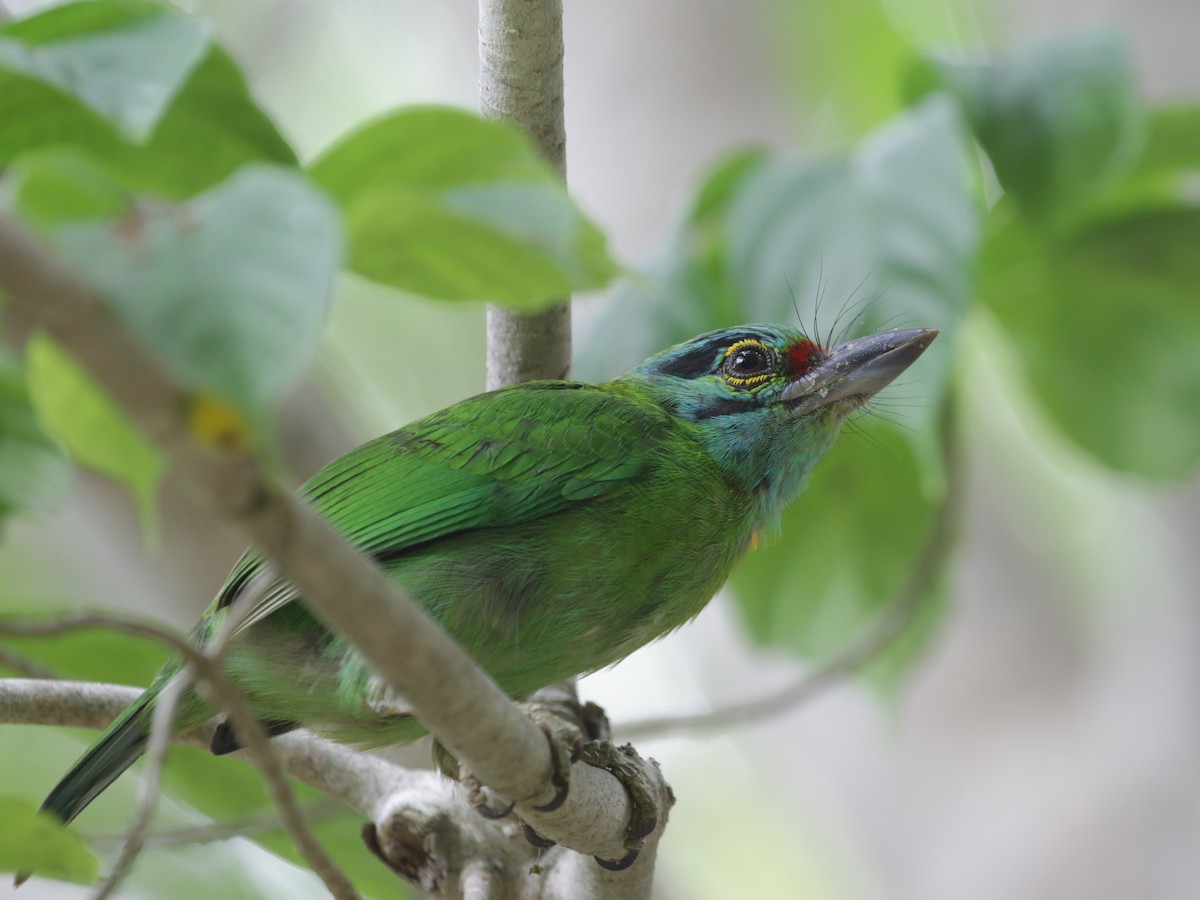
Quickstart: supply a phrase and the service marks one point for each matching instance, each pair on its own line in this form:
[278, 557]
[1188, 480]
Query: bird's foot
[627, 767]
[478, 795]
[580, 732]
[576, 732]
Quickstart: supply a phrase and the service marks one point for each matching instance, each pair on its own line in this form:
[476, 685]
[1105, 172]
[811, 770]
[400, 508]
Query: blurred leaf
[1060, 119]
[1107, 324]
[30, 841]
[1172, 140]
[129, 74]
[216, 786]
[817, 38]
[846, 549]
[50, 187]
[136, 85]
[33, 470]
[93, 428]
[442, 203]
[229, 290]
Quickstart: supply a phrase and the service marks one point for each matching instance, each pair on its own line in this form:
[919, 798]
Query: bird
[551, 528]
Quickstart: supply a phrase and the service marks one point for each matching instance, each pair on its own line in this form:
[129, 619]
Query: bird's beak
[856, 371]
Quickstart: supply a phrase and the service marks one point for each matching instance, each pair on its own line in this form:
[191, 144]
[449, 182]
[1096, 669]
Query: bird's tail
[117, 749]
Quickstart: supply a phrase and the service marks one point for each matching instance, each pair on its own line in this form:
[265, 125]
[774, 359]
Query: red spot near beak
[803, 355]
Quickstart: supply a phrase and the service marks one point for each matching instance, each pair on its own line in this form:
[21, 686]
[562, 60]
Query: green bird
[552, 528]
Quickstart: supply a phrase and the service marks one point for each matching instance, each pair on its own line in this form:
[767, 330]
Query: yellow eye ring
[748, 364]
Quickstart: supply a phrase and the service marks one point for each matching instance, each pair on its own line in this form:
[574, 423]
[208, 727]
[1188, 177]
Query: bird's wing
[496, 459]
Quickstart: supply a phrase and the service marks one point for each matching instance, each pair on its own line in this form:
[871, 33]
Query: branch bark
[521, 81]
[472, 717]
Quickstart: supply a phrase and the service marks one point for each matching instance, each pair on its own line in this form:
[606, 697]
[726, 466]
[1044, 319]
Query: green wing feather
[496, 459]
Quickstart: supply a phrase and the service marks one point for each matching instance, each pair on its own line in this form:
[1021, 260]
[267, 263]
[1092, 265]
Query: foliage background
[1043, 745]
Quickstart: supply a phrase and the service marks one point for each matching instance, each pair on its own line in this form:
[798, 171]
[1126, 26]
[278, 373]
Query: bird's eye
[748, 363]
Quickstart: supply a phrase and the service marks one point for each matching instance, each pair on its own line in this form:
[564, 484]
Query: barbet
[552, 528]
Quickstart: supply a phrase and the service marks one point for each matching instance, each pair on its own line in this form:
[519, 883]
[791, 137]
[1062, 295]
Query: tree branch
[470, 715]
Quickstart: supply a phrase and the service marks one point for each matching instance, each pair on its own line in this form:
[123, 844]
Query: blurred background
[1044, 745]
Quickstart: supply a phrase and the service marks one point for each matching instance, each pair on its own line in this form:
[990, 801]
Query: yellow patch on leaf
[217, 425]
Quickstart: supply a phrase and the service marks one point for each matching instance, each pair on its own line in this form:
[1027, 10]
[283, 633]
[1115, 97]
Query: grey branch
[521, 81]
[469, 713]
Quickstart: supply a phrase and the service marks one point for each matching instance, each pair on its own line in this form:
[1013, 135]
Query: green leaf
[1172, 140]
[49, 187]
[136, 85]
[228, 290]
[1107, 324]
[31, 841]
[819, 37]
[127, 74]
[846, 549]
[442, 203]
[33, 470]
[1060, 119]
[93, 428]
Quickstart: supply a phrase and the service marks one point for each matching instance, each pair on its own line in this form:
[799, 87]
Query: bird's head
[767, 401]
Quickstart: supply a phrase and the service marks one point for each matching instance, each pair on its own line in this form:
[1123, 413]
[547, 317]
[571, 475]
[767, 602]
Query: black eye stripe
[697, 362]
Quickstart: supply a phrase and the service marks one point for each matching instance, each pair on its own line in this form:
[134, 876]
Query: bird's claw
[446, 763]
[536, 839]
[626, 766]
[565, 746]
[565, 725]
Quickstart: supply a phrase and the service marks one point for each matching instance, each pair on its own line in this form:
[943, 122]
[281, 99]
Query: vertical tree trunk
[521, 80]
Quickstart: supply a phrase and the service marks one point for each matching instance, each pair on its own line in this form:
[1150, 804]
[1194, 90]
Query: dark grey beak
[856, 371]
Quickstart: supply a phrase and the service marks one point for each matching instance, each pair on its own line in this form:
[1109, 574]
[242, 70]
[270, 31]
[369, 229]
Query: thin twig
[156, 752]
[18, 662]
[172, 639]
[868, 645]
[265, 822]
[226, 695]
